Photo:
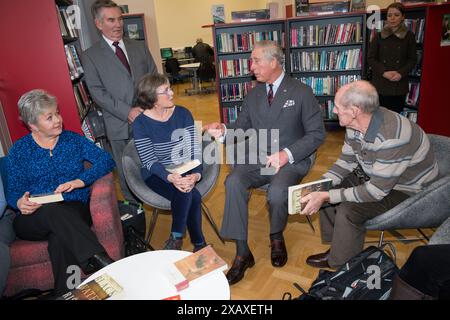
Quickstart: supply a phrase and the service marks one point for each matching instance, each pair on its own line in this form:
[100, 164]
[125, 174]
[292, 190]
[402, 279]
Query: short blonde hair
[33, 103]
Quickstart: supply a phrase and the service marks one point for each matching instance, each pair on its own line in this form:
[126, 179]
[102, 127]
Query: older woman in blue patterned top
[50, 159]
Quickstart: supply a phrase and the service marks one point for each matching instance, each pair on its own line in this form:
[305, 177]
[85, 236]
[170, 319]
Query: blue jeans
[186, 208]
[7, 236]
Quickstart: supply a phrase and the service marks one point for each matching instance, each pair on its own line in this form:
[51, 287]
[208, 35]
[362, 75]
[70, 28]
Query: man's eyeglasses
[166, 92]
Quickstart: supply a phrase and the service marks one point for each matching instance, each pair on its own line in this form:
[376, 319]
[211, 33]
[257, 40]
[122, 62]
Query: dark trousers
[238, 185]
[7, 236]
[342, 224]
[66, 226]
[428, 270]
[394, 103]
[186, 208]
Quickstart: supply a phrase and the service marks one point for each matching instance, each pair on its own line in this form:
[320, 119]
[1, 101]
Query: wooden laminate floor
[264, 281]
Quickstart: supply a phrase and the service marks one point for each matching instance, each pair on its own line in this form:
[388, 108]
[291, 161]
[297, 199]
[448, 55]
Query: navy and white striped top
[161, 144]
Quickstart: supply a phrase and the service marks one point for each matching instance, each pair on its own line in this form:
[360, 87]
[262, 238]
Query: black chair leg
[152, 226]
[211, 221]
[141, 240]
[423, 234]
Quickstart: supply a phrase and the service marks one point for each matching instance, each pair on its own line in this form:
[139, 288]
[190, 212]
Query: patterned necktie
[270, 94]
[121, 55]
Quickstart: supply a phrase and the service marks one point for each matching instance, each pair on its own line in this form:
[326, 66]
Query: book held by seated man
[100, 288]
[184, 167]
[193, 267]
[295, 193]
[44, 198]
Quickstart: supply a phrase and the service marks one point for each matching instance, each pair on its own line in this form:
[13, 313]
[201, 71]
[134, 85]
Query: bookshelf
[325, 52]
[34, 57]
[233, 44]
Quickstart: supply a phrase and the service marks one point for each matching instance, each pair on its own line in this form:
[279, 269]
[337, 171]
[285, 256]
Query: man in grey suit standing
[288, 114]
[112, 67]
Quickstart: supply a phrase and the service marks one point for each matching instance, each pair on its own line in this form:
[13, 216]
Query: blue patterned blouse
[34, 169]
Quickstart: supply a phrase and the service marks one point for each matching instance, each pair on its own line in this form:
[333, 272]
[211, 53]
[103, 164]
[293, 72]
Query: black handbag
[95, 123]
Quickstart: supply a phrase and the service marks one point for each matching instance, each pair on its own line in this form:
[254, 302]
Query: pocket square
[289, 103]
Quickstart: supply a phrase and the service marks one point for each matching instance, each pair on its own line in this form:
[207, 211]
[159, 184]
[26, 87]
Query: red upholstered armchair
[30, 263]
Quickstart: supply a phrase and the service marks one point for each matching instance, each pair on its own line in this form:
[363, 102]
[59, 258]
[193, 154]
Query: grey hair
[33, 103]
[361, 94]
[98, 5]
[271, 50]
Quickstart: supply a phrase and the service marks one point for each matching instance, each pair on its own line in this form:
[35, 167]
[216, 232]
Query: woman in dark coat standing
[392, 55]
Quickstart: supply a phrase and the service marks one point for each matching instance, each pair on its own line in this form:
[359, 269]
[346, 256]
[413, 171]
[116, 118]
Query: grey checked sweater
[395, 153]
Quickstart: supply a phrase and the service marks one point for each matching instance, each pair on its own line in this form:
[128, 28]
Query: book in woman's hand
[44, 198]
[184, 167]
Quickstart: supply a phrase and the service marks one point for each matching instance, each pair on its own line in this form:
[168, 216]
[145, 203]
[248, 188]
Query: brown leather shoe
[278, 253]
[319, 260]
[237, 270]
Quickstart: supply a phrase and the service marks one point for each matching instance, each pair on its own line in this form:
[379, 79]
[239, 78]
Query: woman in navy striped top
[165, 135]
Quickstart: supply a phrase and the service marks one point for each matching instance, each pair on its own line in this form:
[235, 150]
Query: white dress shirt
[121, 45]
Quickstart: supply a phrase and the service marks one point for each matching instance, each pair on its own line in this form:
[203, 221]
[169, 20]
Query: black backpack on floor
[133, 225]
[367, 276]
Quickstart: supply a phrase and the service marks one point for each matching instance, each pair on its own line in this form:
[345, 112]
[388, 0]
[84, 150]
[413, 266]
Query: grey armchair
[426, 209]
[442, 234]
[132, 171]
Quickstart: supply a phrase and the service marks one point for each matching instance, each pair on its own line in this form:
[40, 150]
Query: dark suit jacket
[294, 112]
[110, 84]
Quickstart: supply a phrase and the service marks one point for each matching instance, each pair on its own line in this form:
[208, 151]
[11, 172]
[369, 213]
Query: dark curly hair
[146, 95]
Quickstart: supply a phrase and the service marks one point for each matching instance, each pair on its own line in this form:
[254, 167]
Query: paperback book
[100, 288]
[46, 198]
[295, 193]
[200, 263]
[195, 266]
[184, 167]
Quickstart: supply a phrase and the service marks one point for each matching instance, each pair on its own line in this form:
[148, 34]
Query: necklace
[43, 145]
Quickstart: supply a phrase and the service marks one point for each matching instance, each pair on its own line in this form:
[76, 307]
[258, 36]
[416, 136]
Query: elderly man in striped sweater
[385, 159]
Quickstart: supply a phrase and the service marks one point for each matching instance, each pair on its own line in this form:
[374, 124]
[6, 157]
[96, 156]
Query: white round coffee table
[142, 278]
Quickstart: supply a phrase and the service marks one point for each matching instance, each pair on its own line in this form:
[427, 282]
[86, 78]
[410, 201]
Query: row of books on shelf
[74, 62]
[417, 70]
[411, 114]
[315, 35]
[412, 97]
[234, 68]
[230, 113]
[66, 23]
[82, 98]
[234, 91]
[416, 26]
[327, 110]
[326, 60]
[242, 42]
[327, 86]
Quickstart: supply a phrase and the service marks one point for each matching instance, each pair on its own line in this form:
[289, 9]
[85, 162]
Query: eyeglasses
[166, 92]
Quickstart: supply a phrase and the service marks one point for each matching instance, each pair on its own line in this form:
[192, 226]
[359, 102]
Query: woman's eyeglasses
[166, 92]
